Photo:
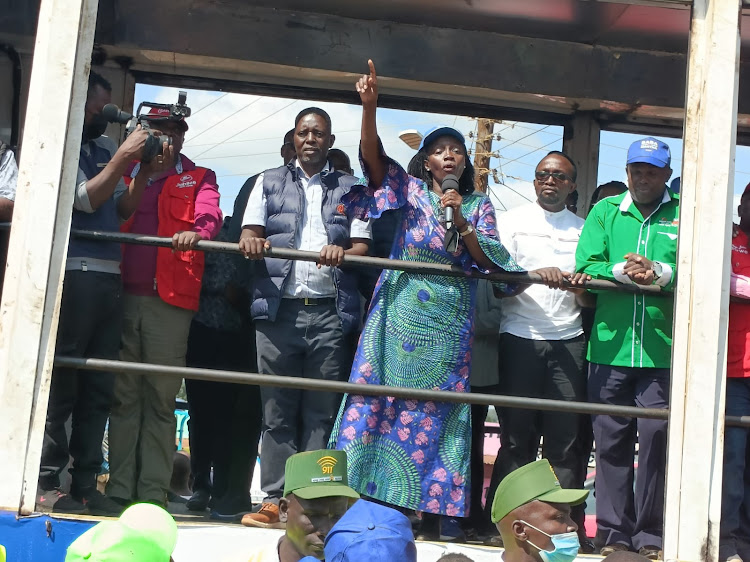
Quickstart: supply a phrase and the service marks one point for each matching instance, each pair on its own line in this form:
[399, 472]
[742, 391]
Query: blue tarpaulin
[38, 539]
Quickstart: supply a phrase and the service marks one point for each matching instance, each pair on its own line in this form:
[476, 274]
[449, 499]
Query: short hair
[95, 80]
[313, 111]
[568, 158]
[610, 184]
[454, 557]
[289, 136]
[337, 152]
[417, 169]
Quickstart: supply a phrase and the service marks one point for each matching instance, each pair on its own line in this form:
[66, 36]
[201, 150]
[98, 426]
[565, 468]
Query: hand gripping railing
[370, 389]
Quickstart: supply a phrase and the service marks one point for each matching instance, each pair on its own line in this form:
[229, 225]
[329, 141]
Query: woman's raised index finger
[371, 64]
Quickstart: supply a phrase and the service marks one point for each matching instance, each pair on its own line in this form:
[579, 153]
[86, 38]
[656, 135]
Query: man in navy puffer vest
[90, 316]
[303, 312]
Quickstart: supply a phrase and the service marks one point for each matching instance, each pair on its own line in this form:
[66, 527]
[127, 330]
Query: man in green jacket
[632, 238]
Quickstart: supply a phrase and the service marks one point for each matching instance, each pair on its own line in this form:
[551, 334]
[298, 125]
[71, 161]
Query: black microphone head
[114, 114]
[449, 182]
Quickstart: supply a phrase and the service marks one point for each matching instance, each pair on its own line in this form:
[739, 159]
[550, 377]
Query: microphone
[449, 182]
[114, 114]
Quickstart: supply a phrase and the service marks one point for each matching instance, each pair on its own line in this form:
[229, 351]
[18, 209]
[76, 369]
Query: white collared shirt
[305, 279]
[537, 238]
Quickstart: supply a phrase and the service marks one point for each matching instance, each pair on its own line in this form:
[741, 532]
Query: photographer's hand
[101, 187]
[161, 163]
[132, 148]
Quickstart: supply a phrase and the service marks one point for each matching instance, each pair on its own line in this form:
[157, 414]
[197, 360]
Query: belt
[307, 301]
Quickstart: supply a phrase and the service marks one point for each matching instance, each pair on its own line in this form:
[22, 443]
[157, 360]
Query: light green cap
[534, 481]
[143, 532]
[318, 474]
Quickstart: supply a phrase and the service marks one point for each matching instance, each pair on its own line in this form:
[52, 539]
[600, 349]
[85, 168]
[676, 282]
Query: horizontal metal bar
[302, 383]
[363, 389]
[423, 268]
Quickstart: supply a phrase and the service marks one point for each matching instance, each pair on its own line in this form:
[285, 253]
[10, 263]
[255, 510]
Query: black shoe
[231, 508]
[58, 501]
[587, 546]
[614, 547]
[199, 500]
[174, 498]
[651, 552]
[69, 504]
[99, 504]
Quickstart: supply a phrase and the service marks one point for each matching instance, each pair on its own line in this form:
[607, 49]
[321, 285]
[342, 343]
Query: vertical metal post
[696, 424]
[581, 143]
[39, 238]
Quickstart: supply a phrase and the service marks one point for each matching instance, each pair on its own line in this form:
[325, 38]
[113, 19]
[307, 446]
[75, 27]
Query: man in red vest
[734, 533]
[161, 289]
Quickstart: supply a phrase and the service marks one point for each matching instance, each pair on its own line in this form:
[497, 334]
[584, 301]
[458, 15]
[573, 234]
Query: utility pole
[482, 153]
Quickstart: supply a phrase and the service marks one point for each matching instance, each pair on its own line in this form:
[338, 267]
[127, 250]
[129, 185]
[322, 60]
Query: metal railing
[370, 389]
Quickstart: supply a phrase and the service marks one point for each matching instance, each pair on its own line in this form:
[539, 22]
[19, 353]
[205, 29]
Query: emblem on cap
[648, 144]
[327, 464]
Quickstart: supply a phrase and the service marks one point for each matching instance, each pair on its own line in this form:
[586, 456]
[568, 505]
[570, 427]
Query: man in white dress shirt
[542, 346]
[304, 313]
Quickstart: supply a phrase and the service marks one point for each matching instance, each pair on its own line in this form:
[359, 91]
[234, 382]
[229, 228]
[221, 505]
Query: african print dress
[418, 334]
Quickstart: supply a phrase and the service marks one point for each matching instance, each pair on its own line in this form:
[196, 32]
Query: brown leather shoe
[266, 518]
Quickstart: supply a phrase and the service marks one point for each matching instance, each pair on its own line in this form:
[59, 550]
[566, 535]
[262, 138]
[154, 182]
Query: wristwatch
[657, 269]
[466, 231]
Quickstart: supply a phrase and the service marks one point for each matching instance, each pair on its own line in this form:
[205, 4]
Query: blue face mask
[566, 546]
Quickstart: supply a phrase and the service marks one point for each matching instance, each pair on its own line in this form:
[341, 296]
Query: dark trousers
[303, 341]
[476, 517]
[735, 496]
[633, 518]
[90, 326]
[550, 369]
[225, 418]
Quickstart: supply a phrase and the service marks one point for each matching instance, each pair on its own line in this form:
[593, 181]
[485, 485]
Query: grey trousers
[142, 422]
[303, 341]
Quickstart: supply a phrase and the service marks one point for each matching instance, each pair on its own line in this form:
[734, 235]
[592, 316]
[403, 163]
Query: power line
[225, 118]
[222, 96]
[527, 136]
[532, 152]
[264, 153]
[251, 125]
[337, 133]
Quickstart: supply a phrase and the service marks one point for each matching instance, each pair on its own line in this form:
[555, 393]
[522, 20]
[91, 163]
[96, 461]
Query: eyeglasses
[558, 176]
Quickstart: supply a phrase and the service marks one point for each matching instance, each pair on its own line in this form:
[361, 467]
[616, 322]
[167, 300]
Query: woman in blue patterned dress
[419, 329]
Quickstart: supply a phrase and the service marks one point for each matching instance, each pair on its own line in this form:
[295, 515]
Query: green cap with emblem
[534, 481]
[317, 474]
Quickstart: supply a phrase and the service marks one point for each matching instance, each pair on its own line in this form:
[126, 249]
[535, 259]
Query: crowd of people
[421, 458]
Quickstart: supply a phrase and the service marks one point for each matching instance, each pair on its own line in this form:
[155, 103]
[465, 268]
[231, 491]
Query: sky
[239, 135]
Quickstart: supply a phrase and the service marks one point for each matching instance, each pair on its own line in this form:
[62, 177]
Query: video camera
[149, 120]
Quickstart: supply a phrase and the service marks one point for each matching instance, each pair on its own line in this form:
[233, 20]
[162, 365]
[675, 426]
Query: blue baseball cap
[651, 151]
[370, 531]
[440, 131]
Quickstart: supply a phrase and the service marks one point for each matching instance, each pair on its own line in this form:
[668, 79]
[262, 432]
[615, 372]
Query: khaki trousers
[142, 423]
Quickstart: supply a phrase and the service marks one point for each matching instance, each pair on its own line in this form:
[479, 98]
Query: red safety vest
[178, 274]
[738, 337]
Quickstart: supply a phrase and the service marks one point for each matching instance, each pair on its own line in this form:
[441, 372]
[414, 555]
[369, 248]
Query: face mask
[566, 546]
[95, 128]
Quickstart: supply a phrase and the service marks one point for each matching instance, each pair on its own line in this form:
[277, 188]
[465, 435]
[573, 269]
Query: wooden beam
[696, 424]
[482, 153]
[581, 143]
[39, 239]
